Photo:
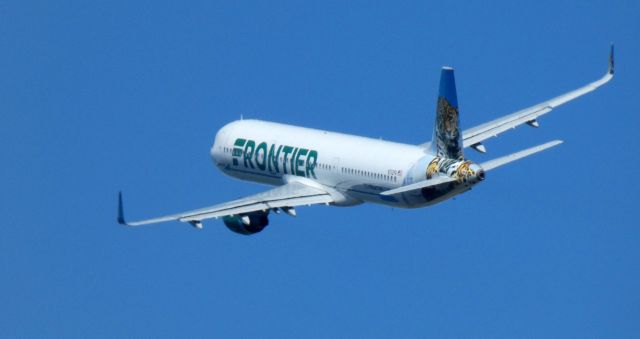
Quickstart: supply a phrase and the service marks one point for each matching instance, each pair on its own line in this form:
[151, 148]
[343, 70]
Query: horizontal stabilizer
[491, 164]
[419, 185]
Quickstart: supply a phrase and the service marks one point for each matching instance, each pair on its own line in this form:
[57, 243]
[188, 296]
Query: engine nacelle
[247, 224]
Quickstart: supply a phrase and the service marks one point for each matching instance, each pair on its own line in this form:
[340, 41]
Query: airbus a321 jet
[310, 166]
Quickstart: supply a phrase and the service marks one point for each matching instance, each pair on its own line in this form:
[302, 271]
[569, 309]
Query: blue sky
[110, 95]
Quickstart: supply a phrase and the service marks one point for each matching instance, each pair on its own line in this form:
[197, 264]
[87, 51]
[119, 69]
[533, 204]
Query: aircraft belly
[369, 192]
[416, 199]
[433, 195]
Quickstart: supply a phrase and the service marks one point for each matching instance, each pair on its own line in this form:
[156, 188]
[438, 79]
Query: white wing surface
[473, 136]
[289, 195]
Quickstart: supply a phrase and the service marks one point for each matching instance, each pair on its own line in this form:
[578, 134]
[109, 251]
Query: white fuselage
[355, 169]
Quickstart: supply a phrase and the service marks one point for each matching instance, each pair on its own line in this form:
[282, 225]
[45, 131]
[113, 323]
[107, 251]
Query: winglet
[121, 220]
[611, 64]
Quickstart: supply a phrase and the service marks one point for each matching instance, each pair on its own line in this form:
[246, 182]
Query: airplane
[311, 166]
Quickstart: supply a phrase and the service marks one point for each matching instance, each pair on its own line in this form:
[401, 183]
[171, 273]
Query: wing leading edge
[289, 195]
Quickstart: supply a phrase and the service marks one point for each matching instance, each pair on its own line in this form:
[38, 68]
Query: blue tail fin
[447, 137]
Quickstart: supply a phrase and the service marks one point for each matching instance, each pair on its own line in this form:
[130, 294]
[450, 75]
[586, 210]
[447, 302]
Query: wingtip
[611, 68]
[121, 220]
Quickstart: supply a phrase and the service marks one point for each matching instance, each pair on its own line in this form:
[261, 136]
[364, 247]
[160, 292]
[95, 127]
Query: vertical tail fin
[447, 137]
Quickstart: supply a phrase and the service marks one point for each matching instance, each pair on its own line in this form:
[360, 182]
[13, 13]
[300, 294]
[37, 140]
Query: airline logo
[275, 158]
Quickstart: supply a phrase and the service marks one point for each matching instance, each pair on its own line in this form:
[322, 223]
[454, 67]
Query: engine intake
[248, 223]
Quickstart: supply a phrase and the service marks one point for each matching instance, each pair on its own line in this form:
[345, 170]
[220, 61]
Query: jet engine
[248, 223]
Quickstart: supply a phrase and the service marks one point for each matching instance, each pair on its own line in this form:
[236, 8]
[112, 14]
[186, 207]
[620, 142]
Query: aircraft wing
[285, 196]
[473, 137]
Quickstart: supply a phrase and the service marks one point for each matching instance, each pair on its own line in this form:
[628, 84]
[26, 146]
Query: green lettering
[248, 153]
[300, 162]
[261, 156]
[292, 168]
[237, 150]
[286, 150]
[273, 158]
[312, 159]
